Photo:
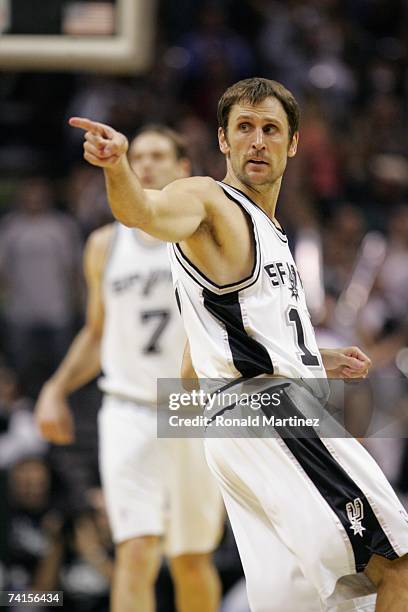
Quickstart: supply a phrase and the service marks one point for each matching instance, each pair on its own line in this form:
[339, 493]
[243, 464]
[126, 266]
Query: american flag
[90, 18]
[4, 15]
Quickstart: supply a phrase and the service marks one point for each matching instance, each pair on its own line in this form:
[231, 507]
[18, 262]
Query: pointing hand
[103, 146]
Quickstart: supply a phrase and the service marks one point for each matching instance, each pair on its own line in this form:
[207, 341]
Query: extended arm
[82, 362]
[172, 214]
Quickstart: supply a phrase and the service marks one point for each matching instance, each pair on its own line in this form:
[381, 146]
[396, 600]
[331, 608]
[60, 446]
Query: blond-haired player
[133, 330]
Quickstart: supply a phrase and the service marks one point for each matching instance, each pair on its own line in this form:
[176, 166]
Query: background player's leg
[130, 469]
[136, 568]
[196, 582]
[195, 522]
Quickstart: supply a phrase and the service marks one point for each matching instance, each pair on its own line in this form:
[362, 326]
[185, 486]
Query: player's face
[257, 142]
[153, 158]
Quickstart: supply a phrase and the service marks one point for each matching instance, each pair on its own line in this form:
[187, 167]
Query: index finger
[90, 126]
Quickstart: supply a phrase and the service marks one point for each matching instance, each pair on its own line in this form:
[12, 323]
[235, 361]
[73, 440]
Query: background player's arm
[172, 214]
[349, 362]
[82, 362]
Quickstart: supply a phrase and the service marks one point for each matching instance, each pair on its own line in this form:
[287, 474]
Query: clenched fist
[53, 416]
[346, 363]
[103, 146]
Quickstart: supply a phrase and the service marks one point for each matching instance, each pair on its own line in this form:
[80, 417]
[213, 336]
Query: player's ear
[223, 141]
[293, 145]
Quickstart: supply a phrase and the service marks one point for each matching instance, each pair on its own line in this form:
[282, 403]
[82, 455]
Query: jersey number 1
[308, 359]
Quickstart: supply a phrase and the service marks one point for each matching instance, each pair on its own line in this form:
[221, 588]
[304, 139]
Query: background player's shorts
[321, 506]
[156, 487]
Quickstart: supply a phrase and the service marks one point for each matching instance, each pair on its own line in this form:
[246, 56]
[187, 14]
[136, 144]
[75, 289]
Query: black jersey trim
[333, 483]
[250, 357]
[204, 281]
[178, 302]
[275, 227]
[186, 270]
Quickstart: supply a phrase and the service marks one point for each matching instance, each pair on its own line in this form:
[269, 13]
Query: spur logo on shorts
[355, 514]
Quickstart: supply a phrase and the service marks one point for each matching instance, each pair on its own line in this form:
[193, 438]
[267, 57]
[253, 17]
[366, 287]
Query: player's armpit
[189, 378]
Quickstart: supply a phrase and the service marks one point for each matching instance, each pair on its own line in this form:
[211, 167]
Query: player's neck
[265, 196]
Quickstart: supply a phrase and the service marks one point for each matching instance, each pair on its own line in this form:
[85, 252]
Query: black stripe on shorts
[339, 490]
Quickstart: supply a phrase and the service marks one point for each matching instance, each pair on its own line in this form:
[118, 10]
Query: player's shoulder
[197, 184]
[205, 187]
[97, 247]
[101, 238]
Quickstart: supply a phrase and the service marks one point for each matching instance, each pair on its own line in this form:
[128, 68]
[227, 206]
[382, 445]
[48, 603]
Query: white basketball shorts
[156, 486]
[307, 514]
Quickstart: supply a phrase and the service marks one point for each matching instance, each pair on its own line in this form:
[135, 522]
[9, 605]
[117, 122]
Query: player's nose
[146, 163]
[258, 142]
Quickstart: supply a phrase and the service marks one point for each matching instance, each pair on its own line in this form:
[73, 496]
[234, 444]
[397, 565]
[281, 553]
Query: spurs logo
[293, 282]
[284, 274]
[355, 514]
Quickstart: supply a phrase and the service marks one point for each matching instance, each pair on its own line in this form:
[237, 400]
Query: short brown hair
[178, 142]
[254, 91]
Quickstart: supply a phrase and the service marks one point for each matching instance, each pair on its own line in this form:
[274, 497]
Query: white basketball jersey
[143, 336]
[257, 326]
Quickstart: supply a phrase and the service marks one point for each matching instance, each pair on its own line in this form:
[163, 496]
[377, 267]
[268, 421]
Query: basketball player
[316, 522]
[133, 327]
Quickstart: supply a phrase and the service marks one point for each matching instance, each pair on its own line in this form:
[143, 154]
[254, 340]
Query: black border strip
[177, 296]
[210, 282]
[249, 356]
[245, 283]
[275, 227]
[333, 483]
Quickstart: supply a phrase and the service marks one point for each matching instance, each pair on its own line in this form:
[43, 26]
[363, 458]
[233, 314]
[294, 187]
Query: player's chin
[258, 177]
[147, 182]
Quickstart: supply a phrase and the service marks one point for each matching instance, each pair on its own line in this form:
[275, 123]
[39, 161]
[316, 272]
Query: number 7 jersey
[260, 325]
[143, 336]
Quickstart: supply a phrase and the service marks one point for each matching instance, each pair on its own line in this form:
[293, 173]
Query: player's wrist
[57, 387]
[118, 167]
[327, 358]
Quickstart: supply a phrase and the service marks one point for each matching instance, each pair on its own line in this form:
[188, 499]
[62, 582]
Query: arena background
[343, 204]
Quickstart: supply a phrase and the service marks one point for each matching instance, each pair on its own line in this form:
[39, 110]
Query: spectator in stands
[40, 253]
[19, 436]
[32, 550]
[87, 565]
[216, 55]
[86, 198]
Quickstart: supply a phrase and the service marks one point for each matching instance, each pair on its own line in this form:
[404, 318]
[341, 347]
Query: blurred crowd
[344, 206]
